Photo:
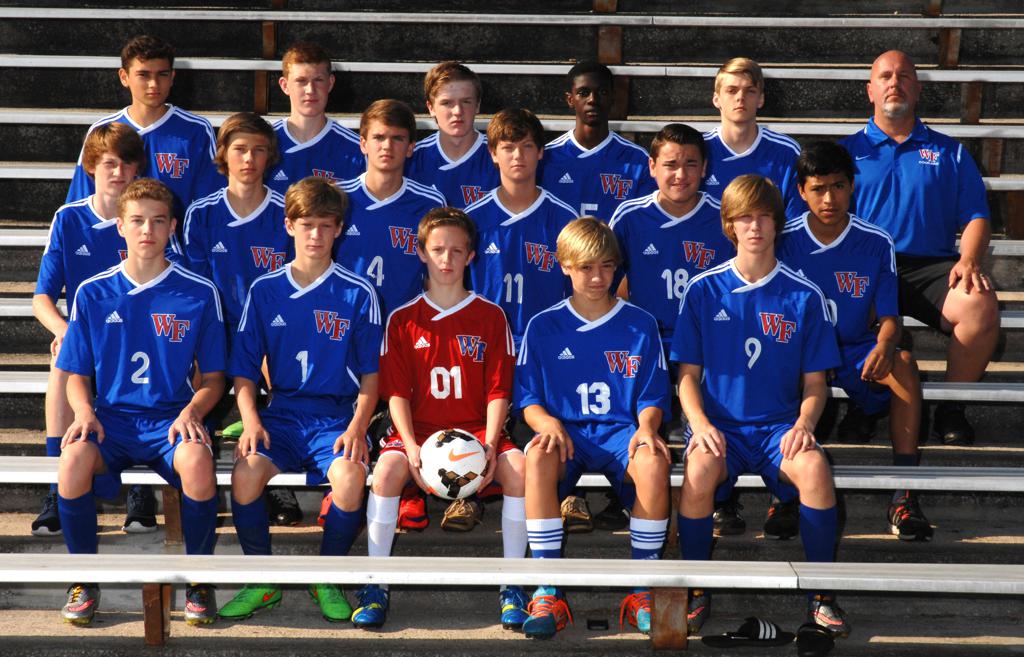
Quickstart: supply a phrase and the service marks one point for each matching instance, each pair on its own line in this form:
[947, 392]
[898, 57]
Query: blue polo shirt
[922, 192]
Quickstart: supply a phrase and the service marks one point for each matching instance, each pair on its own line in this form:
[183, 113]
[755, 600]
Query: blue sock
[199, 524]
[545, 535]
[340, 531]
[53, 449]
[647, 537]
[252, 525]
[695, 536]
[78, 521]
[818, 532]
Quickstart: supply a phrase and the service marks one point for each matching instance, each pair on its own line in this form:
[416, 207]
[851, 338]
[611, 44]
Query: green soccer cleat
[233, 431]
[249, 600]
[333, 605]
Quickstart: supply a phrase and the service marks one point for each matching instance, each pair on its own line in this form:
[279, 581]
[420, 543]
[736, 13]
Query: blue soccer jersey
[234, 251]
[596, 181]
[922, 191]
[379, 241]
[856, 273]
[333, 154]
[772, 155]
[515, 264]
[180, 147]
[318, 340]
[461, 182]
[80, 245]
[139, 341]
[754, 341]
[661, 253]
[592, 372]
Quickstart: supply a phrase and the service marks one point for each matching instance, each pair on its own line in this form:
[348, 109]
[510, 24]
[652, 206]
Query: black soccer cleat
[951, 424]
[282, 507]
[783, 520]
[141, 515]
[907, 521]
[727, 519]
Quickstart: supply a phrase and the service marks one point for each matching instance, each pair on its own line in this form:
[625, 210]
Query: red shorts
[393, 442]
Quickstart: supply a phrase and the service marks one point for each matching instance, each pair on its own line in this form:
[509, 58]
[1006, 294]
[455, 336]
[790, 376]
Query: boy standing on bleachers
[753, 341]
[138, 331]
[454, 160]
[854, 264]
[446, 362]
[179, 144]
[318, 326]
[83, 241]
[311, 143]
[592, 382]
[590, 167]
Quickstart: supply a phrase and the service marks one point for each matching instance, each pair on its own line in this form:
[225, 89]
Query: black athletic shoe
[727, 518]
[856, 427]
[141, 515]
[951, 424]
[907, 521]
[783, 520]
[823, 610]
[613, 517]
[282, 507]
[47, 523]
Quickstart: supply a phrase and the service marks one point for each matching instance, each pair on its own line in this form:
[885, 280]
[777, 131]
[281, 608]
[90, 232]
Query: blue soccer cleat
[513, 608]
[549, 613]
[372, 607]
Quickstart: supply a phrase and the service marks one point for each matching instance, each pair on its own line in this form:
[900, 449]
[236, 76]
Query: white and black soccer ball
[452, 463]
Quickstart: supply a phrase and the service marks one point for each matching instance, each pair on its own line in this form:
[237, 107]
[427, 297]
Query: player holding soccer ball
[446, 361]
[593, 384]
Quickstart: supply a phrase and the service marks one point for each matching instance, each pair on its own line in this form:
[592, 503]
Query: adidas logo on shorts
[566, 179]
[722, 316]
[421, 343]
[83, 251]
[566, 355]
[650, 250]
[492, 249]
[352, 230]
[114, 318]
[279, 321]
[219, 248]
[711, 180]
[281, 175]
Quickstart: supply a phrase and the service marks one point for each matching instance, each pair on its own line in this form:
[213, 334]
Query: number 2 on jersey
[139, 376]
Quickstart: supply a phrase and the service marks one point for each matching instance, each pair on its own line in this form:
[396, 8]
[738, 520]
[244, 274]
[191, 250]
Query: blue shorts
[871, 397]
[133, 440]
[755, 449]
[303, 442]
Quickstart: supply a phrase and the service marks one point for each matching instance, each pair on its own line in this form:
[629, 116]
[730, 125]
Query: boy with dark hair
[311, 143]
[145, 412]
[854, 264]
[590, 167]
[446, 361]
[83, 241]
[180, 145]
[318, 326]
[753, 341]
[592, 382]
[453, 160]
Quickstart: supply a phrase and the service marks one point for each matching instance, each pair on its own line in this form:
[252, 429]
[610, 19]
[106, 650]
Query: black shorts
[924, 284]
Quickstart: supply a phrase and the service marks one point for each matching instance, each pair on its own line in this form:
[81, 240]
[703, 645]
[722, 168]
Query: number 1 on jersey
[443, 380]
[602, 398]
[514, 282]
[303, 358]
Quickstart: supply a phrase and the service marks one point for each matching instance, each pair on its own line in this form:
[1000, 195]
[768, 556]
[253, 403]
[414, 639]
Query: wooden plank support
[949, 47]
[992, 156]
[970, 102]
[932, 8]
[1014, 217]
[606, 6]
[156, 613]
[172, 515]
[672, 539]
[264, 79]
[668, 618]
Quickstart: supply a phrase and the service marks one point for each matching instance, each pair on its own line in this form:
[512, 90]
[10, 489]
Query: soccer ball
[452, 463]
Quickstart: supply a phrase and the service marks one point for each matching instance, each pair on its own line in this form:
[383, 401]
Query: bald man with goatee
[923, 187]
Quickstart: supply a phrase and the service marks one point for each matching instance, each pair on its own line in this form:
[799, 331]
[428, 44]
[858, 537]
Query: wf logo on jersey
[850, 283]
[473, 346]
[323, 173]
[928, 156]
[123, 253]
[328, 323]
[538, 254]
[620, 362]
[403, 238]
[167, 326]
[472, 193]
[774, 325]
[170, 164]
[265, 257]
[616, 185]
[697, 254]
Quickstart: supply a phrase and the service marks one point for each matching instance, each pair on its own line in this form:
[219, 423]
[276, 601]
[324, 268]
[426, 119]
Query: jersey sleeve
[82, 184]
[51, 278]
[653, 374]
[529, 378]
[395, 366]
[248, 345]
[820, 350]
[972, 202]
[194, 249]
[500, 359]
[364, 356]
[887, 296]
[618, 226]
[212, 343]
[686, 339]
[206, 179]
[795, 205]
[76, 353]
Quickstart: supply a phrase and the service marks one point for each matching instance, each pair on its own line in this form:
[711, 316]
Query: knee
[703, 474]
[512, 477]
[652, 467]
[79, 457]
[246, 483]
[814, 471]
[347, 479]
[389, 476]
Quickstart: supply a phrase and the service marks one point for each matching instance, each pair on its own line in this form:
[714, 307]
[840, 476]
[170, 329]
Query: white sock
[381, 520]
[513, 527]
